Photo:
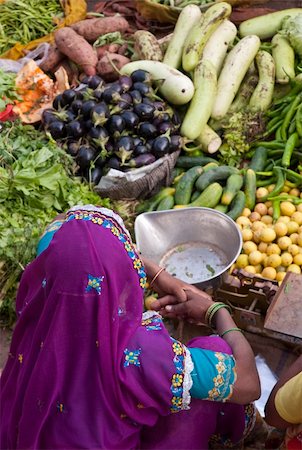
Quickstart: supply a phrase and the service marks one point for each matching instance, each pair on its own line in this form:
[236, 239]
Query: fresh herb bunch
[36, 183]
[24, 21]
[7, 89]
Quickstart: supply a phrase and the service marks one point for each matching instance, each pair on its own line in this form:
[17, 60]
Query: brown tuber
[109, 65]
[77, 49]
[91, 29]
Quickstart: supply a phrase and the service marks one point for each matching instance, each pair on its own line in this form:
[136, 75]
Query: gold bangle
[156, 276]
[231, 329]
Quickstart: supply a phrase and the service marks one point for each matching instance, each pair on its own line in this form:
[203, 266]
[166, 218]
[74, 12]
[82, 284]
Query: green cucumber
[184, 187]
[233, 185]
[222, 208]
[237, 205]
[195, 195]
[250, 186]
[215, 174]
[259, 159]
[186, 162]
[166, 203]
[210, 197]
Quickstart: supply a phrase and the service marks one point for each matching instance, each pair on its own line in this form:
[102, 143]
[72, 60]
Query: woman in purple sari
[87, 369]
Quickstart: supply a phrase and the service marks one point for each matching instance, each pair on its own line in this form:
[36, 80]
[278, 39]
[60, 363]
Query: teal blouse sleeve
[213, 376]
[47, 236]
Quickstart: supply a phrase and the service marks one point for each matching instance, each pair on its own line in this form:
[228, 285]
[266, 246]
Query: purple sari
[84, 370]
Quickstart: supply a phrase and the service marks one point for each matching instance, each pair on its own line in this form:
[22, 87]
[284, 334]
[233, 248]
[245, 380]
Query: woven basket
[145, 186]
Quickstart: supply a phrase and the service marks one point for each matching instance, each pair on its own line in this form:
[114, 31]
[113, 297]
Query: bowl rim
[200, 208]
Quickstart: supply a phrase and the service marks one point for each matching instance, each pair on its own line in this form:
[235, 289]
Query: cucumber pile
[200, 182]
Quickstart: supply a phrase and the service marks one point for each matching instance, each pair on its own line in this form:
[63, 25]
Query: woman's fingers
[163, 301]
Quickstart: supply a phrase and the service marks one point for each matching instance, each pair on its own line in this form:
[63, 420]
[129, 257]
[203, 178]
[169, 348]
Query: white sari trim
[188, 382]
[105, 211]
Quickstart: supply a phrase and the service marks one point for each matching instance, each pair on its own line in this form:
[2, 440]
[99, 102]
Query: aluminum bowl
[197, 245]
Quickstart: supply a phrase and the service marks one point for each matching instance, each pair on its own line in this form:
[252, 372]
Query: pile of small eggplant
[122, 125]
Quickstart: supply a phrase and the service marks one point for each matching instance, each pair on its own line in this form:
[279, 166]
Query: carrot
[106, 65]
[91, 29]
[77, 49]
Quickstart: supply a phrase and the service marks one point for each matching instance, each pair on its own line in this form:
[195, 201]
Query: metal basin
[197, 245]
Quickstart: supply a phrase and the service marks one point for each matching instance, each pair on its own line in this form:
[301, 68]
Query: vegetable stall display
[229, 98]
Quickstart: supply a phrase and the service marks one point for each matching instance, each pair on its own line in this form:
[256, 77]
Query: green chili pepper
[289, 116]
[276, 209]
[267, 182]
[279, 185]
[278, 134]
[299, 120]
[293, 176]
[289, 148]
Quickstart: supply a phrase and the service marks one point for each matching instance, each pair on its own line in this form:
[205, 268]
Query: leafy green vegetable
[36, 183]
[7, 89]
[292, 28]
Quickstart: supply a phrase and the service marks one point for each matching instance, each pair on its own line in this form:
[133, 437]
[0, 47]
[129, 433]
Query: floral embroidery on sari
[221, 381]
[178, 376]
[131, 357]
[108, 222]
[94, 283]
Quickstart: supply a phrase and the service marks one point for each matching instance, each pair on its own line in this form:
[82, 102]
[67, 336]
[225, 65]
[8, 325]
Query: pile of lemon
[271, 249]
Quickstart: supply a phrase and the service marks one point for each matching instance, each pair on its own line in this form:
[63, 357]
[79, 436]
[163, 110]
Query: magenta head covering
[84, 370]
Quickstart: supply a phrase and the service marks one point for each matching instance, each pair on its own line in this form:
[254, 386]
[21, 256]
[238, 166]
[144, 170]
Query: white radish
[233, 71]
[217, 46]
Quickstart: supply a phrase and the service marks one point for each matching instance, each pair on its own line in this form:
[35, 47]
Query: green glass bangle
[231, 329]
[222, 305]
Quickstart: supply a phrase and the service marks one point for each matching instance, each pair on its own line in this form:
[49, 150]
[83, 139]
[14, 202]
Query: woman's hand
[193, 308]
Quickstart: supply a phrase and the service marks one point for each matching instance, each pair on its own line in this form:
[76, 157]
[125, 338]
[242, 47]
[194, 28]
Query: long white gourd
[233, 71]
[217, 46]
[199, 111]
[188, 17]
[176, 87]
[284, 57]
[262, 96]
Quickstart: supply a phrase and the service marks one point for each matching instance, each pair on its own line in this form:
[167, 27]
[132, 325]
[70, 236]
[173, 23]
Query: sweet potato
[54, 57]
[111, 48]
[91, 29]
[77, 49]
[106, 66]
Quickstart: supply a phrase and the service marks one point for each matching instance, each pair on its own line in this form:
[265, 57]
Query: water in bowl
[194, 262]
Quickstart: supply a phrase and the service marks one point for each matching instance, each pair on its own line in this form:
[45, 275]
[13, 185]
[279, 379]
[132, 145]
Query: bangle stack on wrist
[156, 276]
[212, 310]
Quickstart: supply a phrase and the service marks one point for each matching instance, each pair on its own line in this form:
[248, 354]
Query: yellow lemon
[250, 269]
[262, 247]
[254, 216]
[286, 259]
[242, 261]
[247, 234]
[271, 187]
[273, 249]
[280, 229]
[298, 259]
[299, 239]
[292, 226]
[274, 261]
[284, 242]
[267, 219]
[261, 192]
[246, 212]
[294, 268]
[287, 208]
[295, 192]
[261, 209]
[294, 237]
[293, 249]
[280, 276]
[243, 221]
[297, 217]
[255, 257]
[249, 247]
[299, 207]
[148, 301]
[284, 219]
[258, 268]
[267, 235]
[269, 272]
[281, 269]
